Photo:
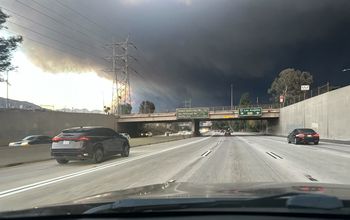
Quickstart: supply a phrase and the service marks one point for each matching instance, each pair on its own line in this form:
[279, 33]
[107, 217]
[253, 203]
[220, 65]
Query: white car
[31, 140]
[146, 134]
[126, 135]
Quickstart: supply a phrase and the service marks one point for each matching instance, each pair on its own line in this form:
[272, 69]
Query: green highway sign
[250, 112]
[192, 113]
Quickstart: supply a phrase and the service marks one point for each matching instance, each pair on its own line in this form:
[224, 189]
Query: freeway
[209, 159]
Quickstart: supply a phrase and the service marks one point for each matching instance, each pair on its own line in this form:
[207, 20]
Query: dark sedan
[304, 136]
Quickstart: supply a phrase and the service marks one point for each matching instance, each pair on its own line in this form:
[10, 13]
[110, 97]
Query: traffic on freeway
[174, 109]
[247, 162]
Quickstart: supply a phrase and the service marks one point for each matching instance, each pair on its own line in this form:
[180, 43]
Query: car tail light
[316, 135]
[300, 135]
[83, 138]
[56, 139]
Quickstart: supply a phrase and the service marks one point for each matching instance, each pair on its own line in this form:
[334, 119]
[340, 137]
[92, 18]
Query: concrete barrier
[11, 156]
[328, 114]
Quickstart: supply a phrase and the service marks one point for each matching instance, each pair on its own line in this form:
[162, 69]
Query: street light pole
[231, 96]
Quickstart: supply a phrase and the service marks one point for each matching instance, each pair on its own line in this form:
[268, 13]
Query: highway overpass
[272, 113]
[131, 122]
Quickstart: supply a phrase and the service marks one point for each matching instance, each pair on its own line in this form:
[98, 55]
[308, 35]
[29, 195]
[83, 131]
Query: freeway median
[12, 156]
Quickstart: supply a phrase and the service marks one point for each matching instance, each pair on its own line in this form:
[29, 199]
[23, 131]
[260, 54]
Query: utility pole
[7, 89]
[188, 103]
[231, 96]
[121, 90]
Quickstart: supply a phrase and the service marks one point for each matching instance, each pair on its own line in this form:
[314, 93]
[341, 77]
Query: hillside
[18, 104]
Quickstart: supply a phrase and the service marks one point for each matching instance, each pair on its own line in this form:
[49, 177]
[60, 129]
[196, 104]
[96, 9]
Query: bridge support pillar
[195, 128]
[272, 126]
[133, 129]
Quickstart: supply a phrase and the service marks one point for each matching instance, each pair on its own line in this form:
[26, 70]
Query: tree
[7, 46]
[234, 125]
[125, 109]
[245, 99]
[106, 109]
[216, 125]
[288, 84]
[147, 107]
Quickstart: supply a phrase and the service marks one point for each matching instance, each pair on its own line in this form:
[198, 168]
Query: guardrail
[229, 108]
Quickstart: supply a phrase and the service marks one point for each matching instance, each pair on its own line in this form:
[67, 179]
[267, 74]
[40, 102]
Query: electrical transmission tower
[121, 90]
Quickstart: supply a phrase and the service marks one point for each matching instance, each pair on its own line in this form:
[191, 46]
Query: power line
[49, 28]
[56, 20]
[70, 21]
[53, 39]
[83, 16]
[44, 44]
[149, 66]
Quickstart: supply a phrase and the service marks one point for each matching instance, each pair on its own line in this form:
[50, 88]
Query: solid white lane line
[91, 170]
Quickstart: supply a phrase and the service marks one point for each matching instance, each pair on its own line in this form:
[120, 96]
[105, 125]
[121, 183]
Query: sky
[186, 49]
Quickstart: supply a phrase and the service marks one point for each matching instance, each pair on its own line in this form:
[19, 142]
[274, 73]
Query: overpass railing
[215, 109]
[236, 107]
[309, 94]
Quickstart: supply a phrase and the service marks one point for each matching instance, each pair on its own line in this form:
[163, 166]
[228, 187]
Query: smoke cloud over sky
[190, 48]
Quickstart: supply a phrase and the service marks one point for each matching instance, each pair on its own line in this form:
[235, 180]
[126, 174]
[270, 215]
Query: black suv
[95, 143]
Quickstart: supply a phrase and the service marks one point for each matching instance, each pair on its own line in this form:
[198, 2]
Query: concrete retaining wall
[16, 124]
[328, 114]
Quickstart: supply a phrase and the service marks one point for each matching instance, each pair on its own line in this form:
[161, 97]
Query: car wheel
[288, 141]
[98, 155]
[126, 150]
[62, 160]
[316, 142]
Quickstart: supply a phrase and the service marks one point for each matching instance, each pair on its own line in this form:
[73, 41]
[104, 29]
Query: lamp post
[231, 96]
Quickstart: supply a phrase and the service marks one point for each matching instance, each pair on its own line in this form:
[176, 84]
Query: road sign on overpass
[192, 113]
[250, 112]
[204, 114]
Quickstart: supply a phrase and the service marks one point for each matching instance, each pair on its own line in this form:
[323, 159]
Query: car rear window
[306, 131]
[77, 130]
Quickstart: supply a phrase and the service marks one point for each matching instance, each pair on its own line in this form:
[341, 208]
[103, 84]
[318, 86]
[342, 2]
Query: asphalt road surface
[212, 159]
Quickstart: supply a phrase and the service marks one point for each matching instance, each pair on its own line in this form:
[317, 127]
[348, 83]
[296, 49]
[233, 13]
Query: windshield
[29, 138]
[193, 98]
[308, 131]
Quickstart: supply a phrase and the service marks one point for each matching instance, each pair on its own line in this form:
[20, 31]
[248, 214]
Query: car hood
[187, 190]
[243, 190]
[18, 142]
